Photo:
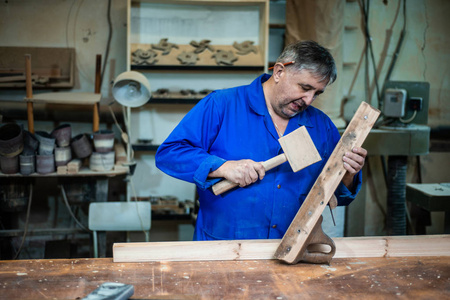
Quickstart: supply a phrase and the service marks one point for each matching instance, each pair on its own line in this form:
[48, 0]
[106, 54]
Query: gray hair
[311, 56]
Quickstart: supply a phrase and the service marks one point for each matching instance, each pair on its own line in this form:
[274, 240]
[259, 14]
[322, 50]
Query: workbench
[367, 278]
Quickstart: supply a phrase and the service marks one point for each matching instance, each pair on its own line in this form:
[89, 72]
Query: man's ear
[278, 71]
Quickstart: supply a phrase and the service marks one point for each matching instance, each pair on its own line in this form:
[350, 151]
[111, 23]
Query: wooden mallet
[299, 151]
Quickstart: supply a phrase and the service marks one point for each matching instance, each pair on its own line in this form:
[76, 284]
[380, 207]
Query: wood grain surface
[295, 240]
[347, 247]
[363, 278]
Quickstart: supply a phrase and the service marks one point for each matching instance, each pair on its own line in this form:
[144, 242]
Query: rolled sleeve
[209, 165]
[346, 196]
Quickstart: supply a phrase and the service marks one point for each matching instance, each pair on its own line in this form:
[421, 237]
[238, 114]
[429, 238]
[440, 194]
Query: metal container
[46, 143]
[81, 146]
[45, 164]
[27, 164]
[30, 143]
[11, 140]
[102, 162]
[62, 156]
[103, 141]
[63, 135]
[9, 165]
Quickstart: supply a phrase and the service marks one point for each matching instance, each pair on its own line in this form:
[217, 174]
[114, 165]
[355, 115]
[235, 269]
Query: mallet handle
[226, 185]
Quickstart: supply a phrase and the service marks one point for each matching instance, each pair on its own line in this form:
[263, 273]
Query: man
[228, 134]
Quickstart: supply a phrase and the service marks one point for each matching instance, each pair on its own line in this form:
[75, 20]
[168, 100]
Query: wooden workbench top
[368, 278]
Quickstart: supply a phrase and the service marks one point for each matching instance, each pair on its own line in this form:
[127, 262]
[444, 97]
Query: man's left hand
[353, 163]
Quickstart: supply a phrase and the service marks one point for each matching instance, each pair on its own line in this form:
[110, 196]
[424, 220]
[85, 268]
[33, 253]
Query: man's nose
[310, 96]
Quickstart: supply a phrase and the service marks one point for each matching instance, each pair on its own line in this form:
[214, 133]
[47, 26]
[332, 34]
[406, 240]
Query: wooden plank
[394, 246]
[295, 239]
[46, 72]
[80, 98]
[52, 62]
[73, 167]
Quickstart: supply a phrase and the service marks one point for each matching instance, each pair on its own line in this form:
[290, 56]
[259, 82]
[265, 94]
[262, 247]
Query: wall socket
[417, 99]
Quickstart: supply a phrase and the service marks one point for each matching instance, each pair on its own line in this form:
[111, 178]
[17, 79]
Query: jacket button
[278, 186]
[274, 226]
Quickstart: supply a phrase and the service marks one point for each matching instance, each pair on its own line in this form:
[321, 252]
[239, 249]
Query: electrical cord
[365, 9]
[410, 119]
[397, 48]
[63, 192]
[137, 208]
[108, 44]
[27, 219]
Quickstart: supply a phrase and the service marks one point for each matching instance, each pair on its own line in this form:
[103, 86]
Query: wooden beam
[29, 93]
[394, 246]
[296, 238]
[98, 84]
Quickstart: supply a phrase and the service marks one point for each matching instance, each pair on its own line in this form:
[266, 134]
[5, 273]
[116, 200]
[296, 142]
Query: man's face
[295, 91]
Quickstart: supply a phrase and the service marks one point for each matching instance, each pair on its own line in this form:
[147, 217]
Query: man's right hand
[242, 172]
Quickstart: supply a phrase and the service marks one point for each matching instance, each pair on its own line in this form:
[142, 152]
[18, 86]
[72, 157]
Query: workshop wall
[84, 26]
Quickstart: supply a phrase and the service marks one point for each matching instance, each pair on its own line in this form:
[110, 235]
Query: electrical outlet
[415, 103]
[417, 99]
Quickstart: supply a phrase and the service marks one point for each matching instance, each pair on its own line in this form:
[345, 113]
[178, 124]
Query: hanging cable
[397, 48]
[63, 192]
[108, 44]
[410, 119]
[365, 10]
[27, 219]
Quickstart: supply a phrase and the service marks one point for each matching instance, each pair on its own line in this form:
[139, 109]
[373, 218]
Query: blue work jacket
[234, 124]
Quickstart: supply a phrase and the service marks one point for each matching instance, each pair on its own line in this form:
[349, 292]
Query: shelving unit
[142, 12]
[185, 22]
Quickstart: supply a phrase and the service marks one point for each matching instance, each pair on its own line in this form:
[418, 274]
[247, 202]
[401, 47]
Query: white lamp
[130, 89]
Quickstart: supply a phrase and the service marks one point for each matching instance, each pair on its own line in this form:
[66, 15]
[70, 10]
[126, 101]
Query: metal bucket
[103, 141]
[9, 165]
[63, 135]
[27, 164]
[11, 140]
[81, 146]
[30, 143]
[62, 156]
[101, 162]
[46, 143]
[45, 164]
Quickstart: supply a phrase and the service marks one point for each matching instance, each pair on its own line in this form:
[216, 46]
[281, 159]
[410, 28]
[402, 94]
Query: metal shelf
[169, 100]
[145, 147]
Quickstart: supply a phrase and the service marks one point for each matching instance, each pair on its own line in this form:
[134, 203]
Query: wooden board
[399, 246]
[54, 64]
[356, 278]
[295, 239]
[79, 98]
